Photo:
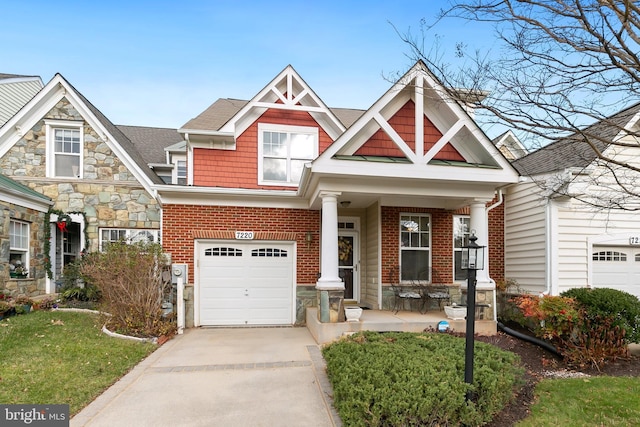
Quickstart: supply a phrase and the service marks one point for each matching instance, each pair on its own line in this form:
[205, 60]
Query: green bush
[407, 379]
[620, 306]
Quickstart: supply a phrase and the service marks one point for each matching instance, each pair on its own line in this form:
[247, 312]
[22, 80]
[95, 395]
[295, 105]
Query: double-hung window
[461, 226]
[283, 151]
[415, 247]
[19, 245]
[64, 149]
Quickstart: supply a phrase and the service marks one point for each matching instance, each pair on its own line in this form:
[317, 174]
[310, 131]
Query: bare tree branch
[563, 69]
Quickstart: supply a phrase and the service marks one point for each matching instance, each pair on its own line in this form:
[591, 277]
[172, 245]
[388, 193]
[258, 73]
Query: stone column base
[330, 305]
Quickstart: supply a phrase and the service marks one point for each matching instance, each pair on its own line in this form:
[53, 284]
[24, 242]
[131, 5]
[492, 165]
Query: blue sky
[160, 63]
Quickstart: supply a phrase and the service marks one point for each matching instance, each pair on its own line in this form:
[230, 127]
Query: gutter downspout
[493, 206]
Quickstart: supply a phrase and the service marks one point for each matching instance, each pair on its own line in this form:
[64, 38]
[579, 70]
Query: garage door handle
[246, 292]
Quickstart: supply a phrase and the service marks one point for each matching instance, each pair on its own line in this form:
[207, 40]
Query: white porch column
[330, 288]
[479, 221]
[329, 273]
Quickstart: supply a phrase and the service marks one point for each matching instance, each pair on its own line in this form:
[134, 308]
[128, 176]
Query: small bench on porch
[417, 292]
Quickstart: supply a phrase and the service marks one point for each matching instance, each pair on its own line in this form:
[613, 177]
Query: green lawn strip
[595, 401]
[52, 357]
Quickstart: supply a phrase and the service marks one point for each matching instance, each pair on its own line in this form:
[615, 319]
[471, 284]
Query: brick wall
[183, 223]
[441, 241]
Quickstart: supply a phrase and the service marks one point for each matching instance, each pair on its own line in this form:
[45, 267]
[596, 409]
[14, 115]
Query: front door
[348, 260]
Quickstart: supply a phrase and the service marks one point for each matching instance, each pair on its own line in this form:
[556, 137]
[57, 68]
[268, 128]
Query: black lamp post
[472, 260]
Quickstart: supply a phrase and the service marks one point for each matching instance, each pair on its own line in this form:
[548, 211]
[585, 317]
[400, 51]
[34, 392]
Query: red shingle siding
[182, 223]
[239, 168]
[403, 122]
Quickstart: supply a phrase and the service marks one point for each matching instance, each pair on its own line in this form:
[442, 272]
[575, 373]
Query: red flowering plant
[555, 317]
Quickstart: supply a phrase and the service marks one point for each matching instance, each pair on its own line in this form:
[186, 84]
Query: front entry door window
[348, 263]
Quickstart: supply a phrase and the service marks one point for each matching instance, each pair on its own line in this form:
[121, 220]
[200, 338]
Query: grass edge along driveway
[60, 357]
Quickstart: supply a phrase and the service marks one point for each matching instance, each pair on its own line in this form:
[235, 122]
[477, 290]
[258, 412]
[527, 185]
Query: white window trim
[409, 248]
[50, 150]
[174, 171]
[26, 251]
[268, 127]
[128, 231]
[453, 244]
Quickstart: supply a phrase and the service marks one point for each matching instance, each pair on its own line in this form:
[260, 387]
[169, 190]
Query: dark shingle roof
[221, 111]
[573, 151]
[151, 142]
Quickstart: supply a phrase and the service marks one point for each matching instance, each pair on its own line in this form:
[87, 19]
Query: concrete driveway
[222, 377]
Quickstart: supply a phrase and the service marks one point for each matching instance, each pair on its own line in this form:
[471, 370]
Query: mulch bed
[538, 364]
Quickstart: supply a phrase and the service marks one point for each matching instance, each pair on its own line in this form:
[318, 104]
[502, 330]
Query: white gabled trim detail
[271, 92]
[44, 101]
[309, 109]
[425, 90]
[443, 141]
[419, 115]
[385, 126]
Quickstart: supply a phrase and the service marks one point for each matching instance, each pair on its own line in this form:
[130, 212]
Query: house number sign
[634, 240]
[244, 235]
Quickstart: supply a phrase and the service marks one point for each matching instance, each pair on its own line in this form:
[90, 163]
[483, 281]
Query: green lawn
[57, 357]
[595, 401]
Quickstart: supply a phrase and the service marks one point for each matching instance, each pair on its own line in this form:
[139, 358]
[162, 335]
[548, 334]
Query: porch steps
[385, 321]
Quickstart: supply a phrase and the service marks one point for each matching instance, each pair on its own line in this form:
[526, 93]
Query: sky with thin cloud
[160, 63]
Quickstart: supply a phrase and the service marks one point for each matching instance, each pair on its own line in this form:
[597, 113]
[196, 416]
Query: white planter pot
[353, 314]
[455, 312]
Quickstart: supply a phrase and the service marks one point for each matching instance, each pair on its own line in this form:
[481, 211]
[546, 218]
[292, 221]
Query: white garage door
[246, 283]
[617, 268]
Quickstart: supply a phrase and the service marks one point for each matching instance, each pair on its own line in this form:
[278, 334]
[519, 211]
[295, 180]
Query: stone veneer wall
[35, 284]
[108, 193]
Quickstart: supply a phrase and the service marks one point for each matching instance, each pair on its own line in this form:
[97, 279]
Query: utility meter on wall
[178, 271]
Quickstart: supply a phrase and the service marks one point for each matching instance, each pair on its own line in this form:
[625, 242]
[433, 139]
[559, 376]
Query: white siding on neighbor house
[525, 228]
[372, 260]
[15, 94]
[580, 225]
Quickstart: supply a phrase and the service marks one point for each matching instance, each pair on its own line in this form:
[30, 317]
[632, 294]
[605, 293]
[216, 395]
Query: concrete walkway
[222, 377]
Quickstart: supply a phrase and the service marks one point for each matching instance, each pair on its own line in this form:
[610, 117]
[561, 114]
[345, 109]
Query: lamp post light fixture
[472, 260]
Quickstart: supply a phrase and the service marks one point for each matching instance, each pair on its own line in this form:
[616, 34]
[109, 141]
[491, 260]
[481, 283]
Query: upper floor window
[127, 235]
[18, 247]
[283, 151]
[415, 247]
[461, 226]
[181, 172]
[64, 148]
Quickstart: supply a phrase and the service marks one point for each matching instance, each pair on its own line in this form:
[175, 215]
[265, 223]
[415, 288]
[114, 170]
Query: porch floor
[384, 321]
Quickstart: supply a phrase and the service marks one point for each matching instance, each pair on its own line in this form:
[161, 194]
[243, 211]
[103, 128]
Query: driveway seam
[326, 390]
[232, 366]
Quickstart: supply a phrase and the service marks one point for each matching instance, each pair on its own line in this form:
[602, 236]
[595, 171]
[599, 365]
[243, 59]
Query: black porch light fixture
[472, 260]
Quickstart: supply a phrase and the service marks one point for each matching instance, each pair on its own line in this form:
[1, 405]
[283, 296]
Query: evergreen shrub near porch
[409, 379]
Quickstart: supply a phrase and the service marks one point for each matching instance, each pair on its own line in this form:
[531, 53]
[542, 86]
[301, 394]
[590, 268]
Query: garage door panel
[617, 268]
[246, 283]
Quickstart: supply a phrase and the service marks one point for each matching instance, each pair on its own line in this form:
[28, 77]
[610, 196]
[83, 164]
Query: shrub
[581, 339]
[88, 293]
[393, 379]
[130, 280]
[622, 307]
